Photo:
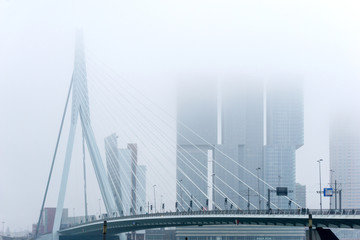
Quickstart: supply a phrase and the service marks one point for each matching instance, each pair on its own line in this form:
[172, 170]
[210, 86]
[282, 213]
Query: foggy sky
[149, 43]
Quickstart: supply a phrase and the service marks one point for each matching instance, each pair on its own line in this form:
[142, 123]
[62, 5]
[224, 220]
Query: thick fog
[137, 50]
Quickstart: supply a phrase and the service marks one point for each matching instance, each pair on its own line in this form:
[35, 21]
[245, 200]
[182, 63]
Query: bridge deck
[343, 219]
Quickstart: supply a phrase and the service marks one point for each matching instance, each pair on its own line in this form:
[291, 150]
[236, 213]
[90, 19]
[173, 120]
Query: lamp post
[154, 198]
[213, 192]
[258, 186]
[279, 185]
[161, 203]
[331, 175]
[319, 161]
[181, 199]
[99, 206]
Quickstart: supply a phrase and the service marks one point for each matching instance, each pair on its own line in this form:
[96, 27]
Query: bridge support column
[320, 234]
[312, 234]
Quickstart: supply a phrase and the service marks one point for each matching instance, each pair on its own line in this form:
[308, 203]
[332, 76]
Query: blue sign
[328, 192]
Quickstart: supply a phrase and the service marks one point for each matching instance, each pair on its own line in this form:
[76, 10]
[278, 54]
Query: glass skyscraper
[241, 142]
[345, 159]
[300, 195]
[284, 135]
[218, 131]
[196, 138]
[230, 137]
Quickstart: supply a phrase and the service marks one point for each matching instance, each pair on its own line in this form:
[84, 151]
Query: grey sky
[149, 43]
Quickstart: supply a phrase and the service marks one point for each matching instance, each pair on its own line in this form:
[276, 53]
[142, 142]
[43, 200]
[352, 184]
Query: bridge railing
[254, 212]
[302, 211]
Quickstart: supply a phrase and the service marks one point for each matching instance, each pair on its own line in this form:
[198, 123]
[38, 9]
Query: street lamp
[212, 192]
[181, 199]
[100, 206]
[161, 203]
[319, 161]
[154, 198]
[279, 185]
[331, 175]
[258, 186]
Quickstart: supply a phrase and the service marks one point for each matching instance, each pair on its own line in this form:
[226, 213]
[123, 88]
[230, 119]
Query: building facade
[141, 189]
[239, 153]
[220, 141]
[196, 138]
[284, 135]
[345, 160]
[47, 221]
[300, 194]
[230, 138]
[126, 177]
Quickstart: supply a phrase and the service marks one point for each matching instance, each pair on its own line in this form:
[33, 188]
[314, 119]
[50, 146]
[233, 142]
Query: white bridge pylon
[80, 107]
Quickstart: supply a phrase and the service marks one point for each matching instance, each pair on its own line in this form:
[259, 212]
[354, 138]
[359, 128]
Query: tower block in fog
[228, 123]
[284, 134]
[80, 108]
[345, 160]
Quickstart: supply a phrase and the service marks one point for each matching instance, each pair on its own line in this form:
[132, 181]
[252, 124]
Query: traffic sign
[281, 191]
[328, 192]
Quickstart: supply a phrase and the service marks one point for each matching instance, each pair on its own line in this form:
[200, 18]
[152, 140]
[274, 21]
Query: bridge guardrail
[303, 211]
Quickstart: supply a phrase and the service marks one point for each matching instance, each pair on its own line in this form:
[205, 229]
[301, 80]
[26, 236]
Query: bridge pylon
[80, 109]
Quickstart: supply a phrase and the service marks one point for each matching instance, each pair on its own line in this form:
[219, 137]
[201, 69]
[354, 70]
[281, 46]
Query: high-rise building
[226, 128]
[220, 144]
[47, 221]
[300, 195]
[113, 169]
[127, 179]
[196, 138]
[141, 189]
[345, 159]
[284, 134]
[219, 134]
[240, 144]
[134, 165]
